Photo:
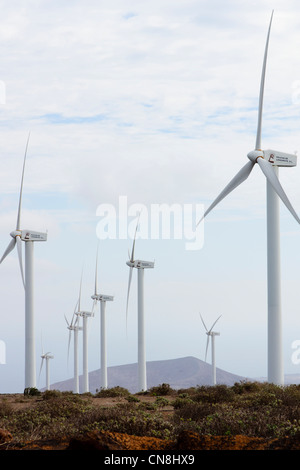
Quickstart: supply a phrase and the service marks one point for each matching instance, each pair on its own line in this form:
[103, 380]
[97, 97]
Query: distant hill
[178, 373]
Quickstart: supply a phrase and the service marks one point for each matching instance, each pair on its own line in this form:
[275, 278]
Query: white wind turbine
[140, 266]
[85, 315]
[268, 161]
[45, 357]
[211, 334]
[74, 327]
[29, 237]
[102, 299]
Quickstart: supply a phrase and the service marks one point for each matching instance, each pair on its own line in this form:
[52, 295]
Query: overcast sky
[146, 103]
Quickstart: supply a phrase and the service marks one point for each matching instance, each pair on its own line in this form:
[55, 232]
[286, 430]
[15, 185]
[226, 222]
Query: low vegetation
[247, 408]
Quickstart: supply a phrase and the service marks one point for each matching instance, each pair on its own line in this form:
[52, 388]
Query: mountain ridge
[179, 373]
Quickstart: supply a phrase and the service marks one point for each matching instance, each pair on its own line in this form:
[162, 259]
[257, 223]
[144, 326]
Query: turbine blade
[261, 93]
[239, 178]
[271, 176]
[132, 251]
[93, 308]
[129, 284]
[96, 271]
[76, 309]
[203, 322]
[41, 367]
[133, 244]
[207, 343]
[76, 321]
[8, 249]
[70, 334]
[42, 344]
[19, 247]
[21, 189]
[79, 298]
[214, 323]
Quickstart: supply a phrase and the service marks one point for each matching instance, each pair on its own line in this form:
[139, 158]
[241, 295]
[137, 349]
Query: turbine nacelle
[47, 356]
[274, 157]
[84, 313]
[74, 328]
[212, 333]
[139, 264]
[102, 297]
[30, 235]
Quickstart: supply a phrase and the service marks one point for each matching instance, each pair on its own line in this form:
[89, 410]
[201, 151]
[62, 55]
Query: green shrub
[246, 387]
[162, 390]
[129, 419]
[188, 410]
[216, 394]
[132, 399]
[181, 401]
[31, 391]
[112, 392]
[48, 394]
[160, 402]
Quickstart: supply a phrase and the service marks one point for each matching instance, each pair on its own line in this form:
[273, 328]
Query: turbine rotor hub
[15, 233]
[255, 154]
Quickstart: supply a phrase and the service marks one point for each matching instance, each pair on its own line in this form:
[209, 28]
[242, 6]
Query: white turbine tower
[102, 299]
[211, 334]
[268, 161]
[29, 237]
[74, 327]
[140, 266]
[85, 315]
[45, 357]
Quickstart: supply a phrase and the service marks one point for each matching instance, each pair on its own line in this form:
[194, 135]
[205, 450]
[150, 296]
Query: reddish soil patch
[188, 441]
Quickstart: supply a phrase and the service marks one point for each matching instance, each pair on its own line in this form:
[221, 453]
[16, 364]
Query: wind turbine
[74, 327]
[46, 357]
[140, 266]
[268, 161]
[102, 299]
[85, 315]
[211, 334]
[29, 237]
